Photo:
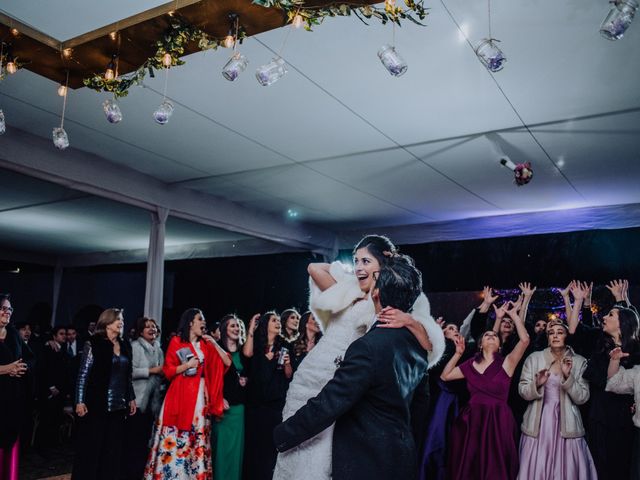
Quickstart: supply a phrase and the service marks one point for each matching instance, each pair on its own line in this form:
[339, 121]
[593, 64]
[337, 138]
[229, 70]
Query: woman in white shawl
[340, 300]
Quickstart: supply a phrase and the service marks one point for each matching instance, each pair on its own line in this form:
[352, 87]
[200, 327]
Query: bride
[340, 300]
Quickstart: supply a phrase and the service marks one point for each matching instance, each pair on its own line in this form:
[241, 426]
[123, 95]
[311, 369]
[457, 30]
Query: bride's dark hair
[379, 246]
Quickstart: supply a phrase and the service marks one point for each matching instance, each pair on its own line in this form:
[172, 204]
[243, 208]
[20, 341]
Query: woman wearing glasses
[13, 353]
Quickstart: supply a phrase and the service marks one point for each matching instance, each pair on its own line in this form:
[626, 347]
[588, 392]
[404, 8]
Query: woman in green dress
[229, 431]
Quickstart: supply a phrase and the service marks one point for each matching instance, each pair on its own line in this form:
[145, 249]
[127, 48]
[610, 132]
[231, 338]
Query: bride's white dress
[346, 315]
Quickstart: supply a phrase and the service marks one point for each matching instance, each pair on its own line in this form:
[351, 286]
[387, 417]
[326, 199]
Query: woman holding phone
[195, 365]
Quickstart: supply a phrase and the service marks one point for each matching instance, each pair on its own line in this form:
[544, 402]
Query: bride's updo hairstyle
[379, 246]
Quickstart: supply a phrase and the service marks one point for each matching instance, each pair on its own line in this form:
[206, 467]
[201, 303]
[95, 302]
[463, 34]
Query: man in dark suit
[370, 395]
[53, 383]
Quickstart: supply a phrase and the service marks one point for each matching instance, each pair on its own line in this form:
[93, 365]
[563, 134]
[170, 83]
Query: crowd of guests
[516, 395]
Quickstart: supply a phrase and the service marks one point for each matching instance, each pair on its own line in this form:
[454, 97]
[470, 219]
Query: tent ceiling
[348, 146]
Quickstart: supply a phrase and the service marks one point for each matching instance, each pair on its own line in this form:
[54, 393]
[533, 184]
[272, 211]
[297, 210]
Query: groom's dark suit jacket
[369, 400]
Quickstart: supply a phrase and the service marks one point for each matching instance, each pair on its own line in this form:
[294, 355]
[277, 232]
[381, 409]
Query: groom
[370, 394]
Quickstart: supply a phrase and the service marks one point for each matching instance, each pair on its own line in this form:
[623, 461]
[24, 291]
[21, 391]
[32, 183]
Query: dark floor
[57, 461]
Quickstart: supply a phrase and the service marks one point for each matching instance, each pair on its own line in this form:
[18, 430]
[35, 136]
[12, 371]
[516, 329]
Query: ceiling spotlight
[271, 72]
[62, 90]
[392, 60]
[618, 19]
[490, 55]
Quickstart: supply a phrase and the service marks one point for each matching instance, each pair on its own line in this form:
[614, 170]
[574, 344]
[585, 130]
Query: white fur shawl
[326, 304]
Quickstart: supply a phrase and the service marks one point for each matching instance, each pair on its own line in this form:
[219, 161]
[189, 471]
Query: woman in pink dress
[483, 437]
[552, 446]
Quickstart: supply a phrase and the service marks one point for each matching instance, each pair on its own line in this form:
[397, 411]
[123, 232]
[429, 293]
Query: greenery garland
[181, 33]
[314, 16]
[174, 42]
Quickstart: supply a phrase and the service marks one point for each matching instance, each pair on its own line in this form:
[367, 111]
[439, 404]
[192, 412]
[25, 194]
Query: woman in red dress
[195, 364]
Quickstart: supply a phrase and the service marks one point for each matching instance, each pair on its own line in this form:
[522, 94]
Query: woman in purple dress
[552, 446]
[483, 438]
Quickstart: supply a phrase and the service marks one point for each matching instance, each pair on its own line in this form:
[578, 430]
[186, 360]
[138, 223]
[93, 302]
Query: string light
[113, 36]
[230, 40]
[110, 72]
[15, 32]
[298, 21]
[11, 66]
[167, 60]
[62, 90]
[66, 53]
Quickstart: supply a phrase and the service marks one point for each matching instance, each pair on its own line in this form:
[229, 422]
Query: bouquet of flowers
[522, 172]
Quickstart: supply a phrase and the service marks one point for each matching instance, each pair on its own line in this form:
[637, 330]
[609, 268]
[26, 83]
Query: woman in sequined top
[104, 398]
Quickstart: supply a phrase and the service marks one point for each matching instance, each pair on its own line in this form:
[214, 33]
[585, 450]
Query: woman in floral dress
[195, 365]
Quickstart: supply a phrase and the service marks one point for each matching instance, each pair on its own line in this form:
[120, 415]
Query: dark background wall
[453, 273]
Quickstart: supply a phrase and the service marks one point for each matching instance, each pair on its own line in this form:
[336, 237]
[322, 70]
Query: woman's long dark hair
[300, 345]
[378, 245]
[628, 319]
[224, 323]
[184, 326]
[261, 337]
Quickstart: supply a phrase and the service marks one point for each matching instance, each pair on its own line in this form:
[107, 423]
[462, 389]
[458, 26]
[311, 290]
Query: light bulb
[108, 74]
[167, 60]
[113, 36]
[15, 32]
[228, 41]
[62, 90]
[298, 21]
[12, 67]
[66, 53]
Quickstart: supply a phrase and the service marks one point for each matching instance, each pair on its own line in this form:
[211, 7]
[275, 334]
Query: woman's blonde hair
[106, 318]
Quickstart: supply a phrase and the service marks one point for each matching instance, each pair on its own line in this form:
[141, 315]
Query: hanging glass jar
[163, 112]
[112, 111]
[490, 55]
[392, 60]
[271, 72]
[235, 66]
[60, 138]
[618, 19]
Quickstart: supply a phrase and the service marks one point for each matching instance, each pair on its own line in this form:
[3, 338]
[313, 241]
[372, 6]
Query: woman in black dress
[104, 399]
[269, 375]
[14, 354]
[610, 427]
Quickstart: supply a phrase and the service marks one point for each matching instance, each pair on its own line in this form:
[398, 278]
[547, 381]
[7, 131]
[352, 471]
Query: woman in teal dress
[229, 431]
